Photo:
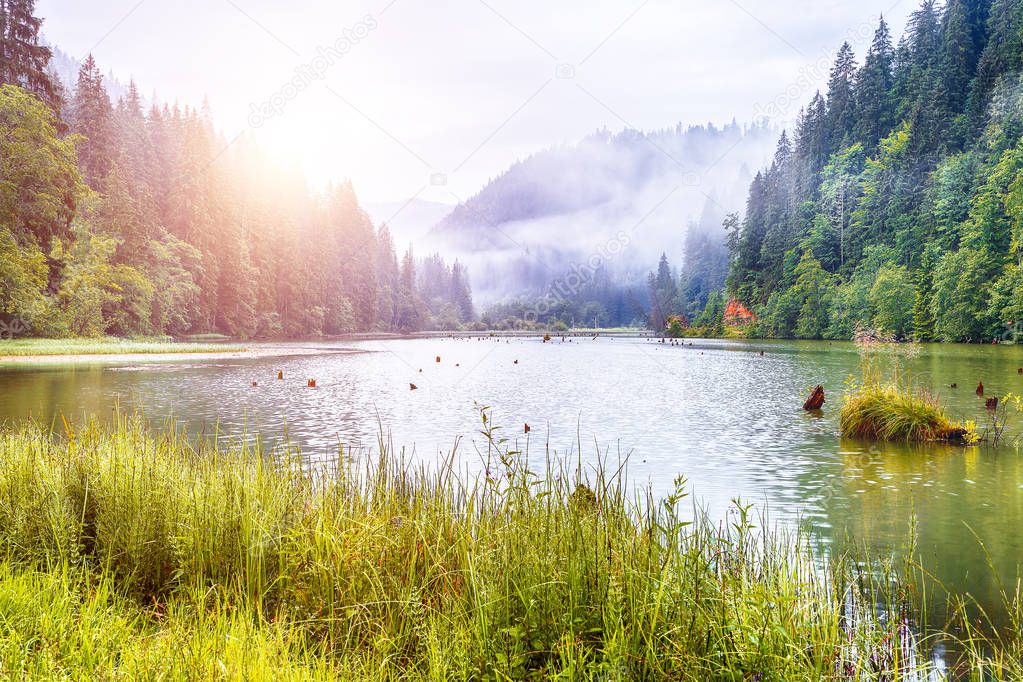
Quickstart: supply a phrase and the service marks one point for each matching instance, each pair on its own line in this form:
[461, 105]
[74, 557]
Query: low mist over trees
[118, 218]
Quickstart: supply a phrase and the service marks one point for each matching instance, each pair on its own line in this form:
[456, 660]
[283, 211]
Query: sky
[432, 99]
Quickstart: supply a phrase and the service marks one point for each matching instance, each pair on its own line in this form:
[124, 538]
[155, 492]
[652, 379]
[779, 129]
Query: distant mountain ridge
[553, 210]
[569, 178]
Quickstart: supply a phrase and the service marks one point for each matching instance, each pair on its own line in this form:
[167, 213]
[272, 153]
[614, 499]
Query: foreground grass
[131, 554]
[105, 346]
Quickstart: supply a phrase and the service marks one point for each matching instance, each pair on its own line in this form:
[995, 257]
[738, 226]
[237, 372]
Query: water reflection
[718, 412]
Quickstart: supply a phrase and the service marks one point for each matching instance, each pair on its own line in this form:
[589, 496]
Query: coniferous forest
[124, 218]
[893, 205]
[896, 204]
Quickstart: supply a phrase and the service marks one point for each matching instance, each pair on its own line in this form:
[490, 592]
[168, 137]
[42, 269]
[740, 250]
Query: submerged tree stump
[816, 399]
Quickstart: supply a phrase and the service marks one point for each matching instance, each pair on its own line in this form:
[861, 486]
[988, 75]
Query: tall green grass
[893, 410]
[137, 554]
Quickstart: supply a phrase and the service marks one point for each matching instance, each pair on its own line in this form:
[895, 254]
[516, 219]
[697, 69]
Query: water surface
[718, 412]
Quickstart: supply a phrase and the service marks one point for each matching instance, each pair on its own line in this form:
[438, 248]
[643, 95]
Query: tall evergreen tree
[962, 43]
[875, 113]
[811, 145]
[23, 60]
[1002, 54]
[461, 294]
[92, 118]
[925, 103]
[841, 98]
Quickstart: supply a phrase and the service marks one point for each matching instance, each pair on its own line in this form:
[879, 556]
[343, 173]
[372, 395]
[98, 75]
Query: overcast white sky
[462, 88]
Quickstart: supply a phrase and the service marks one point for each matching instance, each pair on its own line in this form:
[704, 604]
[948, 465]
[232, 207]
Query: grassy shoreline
[127, 552]
[18, 348]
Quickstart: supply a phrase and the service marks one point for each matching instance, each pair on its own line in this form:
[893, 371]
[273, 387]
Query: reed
[138, 553]
[893, 410]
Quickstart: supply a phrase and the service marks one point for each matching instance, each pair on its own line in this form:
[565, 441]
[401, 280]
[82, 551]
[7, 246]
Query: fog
[612, 202]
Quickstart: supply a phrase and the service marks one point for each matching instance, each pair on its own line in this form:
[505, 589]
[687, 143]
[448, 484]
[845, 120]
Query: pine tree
[1002, 54]
[461, 295]
[131, 137]
[841, 99]
[925, 36]
[23, 61]
[387, 278]
[779, 226]
[875, 113]
[961, 49]
[408, 303]
[811, 146]
[92, 118]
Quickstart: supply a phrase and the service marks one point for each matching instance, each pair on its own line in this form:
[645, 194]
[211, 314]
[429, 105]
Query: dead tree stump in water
[816, 399]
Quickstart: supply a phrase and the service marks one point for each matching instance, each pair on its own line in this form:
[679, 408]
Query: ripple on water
[729, 420]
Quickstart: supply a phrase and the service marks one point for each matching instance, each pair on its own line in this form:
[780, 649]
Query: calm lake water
[718, 412]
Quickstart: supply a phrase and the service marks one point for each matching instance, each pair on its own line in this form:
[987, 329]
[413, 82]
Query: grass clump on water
[892, 409]
[889, 412]
[132, 553]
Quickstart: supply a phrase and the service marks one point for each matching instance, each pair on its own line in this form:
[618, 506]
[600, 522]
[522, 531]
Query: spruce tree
[1002, 54]
[875, 113]
[92, 118]
[811, 146]
[841, 100]
[23, 60]
[960, 51]
[461, 294]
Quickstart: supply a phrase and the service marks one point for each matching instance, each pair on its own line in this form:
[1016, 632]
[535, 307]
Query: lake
[717, 412]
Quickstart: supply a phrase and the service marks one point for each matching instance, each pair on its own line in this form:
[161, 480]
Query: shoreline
[171, 356]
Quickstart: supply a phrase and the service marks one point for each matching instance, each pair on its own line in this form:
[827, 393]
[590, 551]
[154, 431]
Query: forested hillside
[896, 204]
[119, 220]
[568, 234]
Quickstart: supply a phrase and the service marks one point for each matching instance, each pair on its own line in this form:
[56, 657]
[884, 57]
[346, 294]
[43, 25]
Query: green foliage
[171, 242]
[97, 297]
[802, 309]
[959, 296]
[23, 276]
[894, 411]
[39, 182]
[29, 347]
[851, 306]
[909, 189]
[891, 300]
[139, 554]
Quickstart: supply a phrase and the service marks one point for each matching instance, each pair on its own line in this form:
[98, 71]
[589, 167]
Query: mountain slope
[620, 199]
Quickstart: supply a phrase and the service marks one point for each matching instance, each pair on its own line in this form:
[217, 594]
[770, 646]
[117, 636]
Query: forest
[896, 203]
[130, 218]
